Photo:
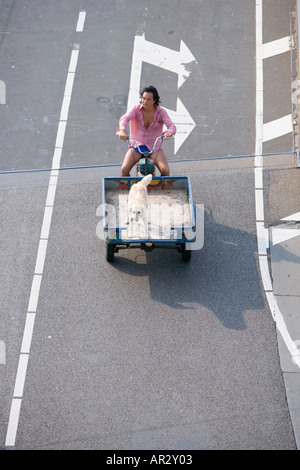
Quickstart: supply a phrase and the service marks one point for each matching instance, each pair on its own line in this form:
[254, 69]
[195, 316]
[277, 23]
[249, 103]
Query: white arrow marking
[160, 56]
[184, 123]
[280, 235]
[295, 217]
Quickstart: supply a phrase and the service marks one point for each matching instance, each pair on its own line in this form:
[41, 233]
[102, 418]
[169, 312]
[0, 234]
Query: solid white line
[259, 204]
[21, 374]
[15, 409]
[28, 331]
[265, 273]
[60, 134]
[279, 46]
[80, 22]
[65, 108]
[258, 178]
[51, 190]
[46, 222]
[13, 422]
[69, 84]
[34, 294]
[56, 158]
[40, 259]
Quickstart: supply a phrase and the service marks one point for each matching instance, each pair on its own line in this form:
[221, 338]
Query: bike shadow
[223, 276]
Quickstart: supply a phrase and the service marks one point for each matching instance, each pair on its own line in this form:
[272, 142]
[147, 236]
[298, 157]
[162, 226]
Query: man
[146, 123]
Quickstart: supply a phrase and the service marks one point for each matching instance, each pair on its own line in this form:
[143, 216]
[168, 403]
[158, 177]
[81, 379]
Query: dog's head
[136, 211]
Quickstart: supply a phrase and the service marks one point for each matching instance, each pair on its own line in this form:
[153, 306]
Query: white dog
[137, 208]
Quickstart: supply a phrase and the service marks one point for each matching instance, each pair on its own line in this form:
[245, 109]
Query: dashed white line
[80, 22]
[14, 415]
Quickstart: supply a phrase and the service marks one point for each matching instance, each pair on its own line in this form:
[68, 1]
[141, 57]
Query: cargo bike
[171, 212]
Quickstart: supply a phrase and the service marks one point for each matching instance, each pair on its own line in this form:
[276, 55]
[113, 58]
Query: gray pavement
[285, 269]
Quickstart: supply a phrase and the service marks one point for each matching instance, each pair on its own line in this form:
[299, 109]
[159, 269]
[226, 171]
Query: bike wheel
[186, 253]
[110, 252]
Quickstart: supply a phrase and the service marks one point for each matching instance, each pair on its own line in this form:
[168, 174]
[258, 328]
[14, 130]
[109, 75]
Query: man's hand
[122, 134]
[167, 134]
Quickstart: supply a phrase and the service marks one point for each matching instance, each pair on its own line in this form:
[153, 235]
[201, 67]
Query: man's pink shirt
[137, 129]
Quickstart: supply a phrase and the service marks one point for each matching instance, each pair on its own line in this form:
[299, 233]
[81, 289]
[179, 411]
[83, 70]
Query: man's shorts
[142, 148]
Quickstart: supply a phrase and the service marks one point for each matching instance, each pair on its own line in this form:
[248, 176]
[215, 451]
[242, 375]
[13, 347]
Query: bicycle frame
[149, 168]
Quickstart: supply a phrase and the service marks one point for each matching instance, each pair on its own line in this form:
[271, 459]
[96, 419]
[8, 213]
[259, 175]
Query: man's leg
[130, 159]
[160, 161]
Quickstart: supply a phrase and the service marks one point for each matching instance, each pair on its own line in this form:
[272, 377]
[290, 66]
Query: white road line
[60, 134]
[277, 128]
[65, 108]
[28, 331]
[47, 220]
[282, 234]
[74, 59]
[51, 189]
[295, 217]
[34, 293]
[262, 232]
[13, 421]
[14, 415]
[69, 84]
[21, 375]
[279, 46]
[80, 22]
[41, 256]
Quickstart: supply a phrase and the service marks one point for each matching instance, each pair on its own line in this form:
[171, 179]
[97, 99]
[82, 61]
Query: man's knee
[165, 172]
[125, 171]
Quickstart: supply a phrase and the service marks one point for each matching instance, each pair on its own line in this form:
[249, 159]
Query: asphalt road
[147, 352]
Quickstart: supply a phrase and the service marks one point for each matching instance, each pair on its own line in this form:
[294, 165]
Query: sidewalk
[285, 271]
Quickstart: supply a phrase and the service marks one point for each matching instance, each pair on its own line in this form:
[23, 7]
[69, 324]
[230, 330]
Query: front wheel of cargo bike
[110, 252]
[186, 253]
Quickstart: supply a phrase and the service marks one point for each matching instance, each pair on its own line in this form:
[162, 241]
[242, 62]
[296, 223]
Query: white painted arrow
[282, 233]
[175, 61]
[183, 122]
[160, 56]
[295, 217]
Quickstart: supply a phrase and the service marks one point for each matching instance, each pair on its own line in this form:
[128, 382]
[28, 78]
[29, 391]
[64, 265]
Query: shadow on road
[223, 277]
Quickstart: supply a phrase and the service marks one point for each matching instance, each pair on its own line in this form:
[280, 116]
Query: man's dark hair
[153, 90]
